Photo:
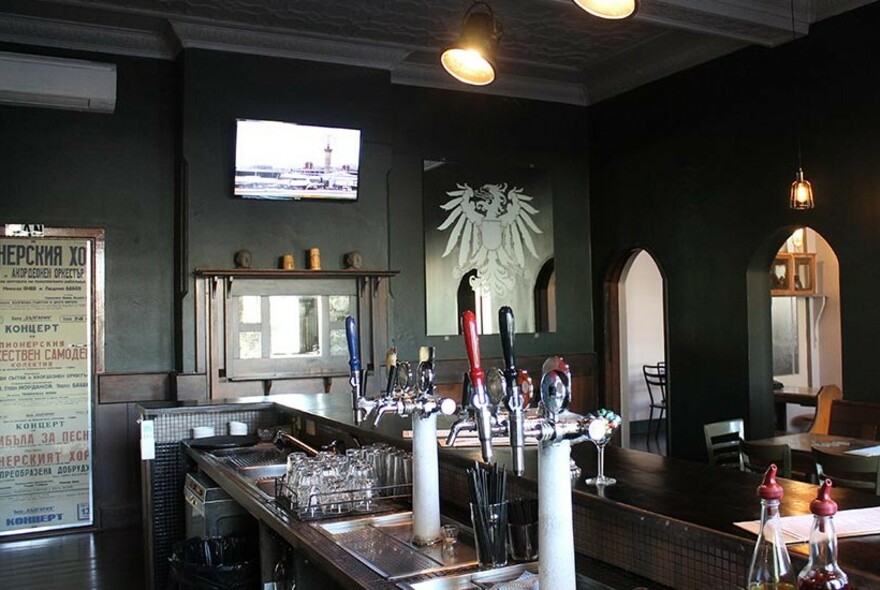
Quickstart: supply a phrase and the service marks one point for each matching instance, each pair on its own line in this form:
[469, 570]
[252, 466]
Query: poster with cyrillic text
[45, 384]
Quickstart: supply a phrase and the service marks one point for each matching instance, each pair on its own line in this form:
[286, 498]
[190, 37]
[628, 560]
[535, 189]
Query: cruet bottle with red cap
[771, 566]
[822, 571]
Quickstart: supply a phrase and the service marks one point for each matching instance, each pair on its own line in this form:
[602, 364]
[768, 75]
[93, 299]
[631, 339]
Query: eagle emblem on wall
[492, 227]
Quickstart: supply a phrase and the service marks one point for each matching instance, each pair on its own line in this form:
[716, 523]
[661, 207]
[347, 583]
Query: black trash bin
[216, 563]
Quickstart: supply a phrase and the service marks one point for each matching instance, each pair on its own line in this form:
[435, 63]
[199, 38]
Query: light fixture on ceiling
[472, 58]
[610, 9]
[801, 189]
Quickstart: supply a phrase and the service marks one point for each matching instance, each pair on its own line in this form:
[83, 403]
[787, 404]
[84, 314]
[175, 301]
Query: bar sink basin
[383, 544]
[478, 580]
[259, 466]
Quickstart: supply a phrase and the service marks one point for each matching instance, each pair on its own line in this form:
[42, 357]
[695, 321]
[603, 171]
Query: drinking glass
[601, 427]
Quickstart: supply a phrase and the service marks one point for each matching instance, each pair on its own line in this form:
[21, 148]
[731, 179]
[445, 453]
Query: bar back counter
[667, 523]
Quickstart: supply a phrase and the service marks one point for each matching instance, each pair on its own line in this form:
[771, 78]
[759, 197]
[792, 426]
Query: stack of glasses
[330, 484]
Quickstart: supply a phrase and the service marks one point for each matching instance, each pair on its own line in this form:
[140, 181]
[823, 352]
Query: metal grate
[383, 553]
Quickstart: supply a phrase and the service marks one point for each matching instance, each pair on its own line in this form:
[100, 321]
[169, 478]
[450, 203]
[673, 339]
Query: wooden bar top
[692, 499]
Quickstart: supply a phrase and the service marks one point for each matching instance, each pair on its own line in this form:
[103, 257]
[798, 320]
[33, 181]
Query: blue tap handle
[351, 335]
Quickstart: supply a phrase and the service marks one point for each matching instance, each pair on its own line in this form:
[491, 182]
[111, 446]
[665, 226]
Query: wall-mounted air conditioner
[38, 81]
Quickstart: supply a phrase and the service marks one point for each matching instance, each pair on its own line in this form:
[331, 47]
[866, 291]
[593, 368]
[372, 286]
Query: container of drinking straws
[488, 486]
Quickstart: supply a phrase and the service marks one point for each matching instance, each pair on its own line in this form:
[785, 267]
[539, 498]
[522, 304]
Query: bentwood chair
[757, 457]
[723, 443]
[655, 381]
[824, 400]
[849, 471]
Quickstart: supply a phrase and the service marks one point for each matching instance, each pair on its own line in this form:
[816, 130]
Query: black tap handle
[507, 327]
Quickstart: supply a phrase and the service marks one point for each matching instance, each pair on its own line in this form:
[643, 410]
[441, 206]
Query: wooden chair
[855, 419]
[723, 443]
[758, 457]
[849, 471]
[827, 395]
[655, 381]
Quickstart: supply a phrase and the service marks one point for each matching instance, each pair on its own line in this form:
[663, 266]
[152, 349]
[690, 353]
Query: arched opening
[466, 298]
[635, 336]
[794, 328]
[545, 298]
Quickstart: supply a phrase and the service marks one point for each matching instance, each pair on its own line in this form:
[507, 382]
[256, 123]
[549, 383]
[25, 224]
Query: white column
[555, 528]
[426, 484]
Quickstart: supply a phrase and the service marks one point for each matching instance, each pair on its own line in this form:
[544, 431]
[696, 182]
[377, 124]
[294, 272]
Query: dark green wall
[401, 126]
[697, 168]
[72, 169]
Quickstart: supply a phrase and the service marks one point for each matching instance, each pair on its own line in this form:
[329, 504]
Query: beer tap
[423, 408]
[360, 404]
[480, 410]
[557, 429]
[515, 399]
[401, 400]
[389, 401]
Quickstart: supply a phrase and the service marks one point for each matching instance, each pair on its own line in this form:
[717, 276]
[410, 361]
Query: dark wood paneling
[133, 387]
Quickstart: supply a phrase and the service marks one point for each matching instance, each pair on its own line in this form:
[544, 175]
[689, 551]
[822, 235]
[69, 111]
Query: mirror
[488, 243]
[279, 335]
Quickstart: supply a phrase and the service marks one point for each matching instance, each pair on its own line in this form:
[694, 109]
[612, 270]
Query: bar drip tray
[383, 544]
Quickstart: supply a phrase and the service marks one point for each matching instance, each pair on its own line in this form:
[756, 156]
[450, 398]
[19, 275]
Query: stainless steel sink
[259, 465]
[473, 580]
[383, 544]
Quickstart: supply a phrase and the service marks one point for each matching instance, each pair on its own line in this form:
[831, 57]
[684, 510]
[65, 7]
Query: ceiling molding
[288, 45]
[507, 84]
[28, 30]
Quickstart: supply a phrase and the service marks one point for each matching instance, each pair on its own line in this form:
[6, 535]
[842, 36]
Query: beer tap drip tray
[383, 543]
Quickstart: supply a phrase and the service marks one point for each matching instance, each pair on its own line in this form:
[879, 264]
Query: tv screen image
[281, 161]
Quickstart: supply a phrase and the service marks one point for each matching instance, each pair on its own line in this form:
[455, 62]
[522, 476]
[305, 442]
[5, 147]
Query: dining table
[791, 394]
[802, 443]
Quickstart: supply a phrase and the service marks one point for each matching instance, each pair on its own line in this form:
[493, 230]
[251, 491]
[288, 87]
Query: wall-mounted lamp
[472, 58]
[610, 9]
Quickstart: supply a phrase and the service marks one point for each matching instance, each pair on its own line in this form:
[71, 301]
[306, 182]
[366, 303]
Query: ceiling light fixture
[610, 9]
[801, 189]
[472, 58]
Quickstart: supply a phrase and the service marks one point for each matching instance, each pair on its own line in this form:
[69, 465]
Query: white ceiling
[550, 49]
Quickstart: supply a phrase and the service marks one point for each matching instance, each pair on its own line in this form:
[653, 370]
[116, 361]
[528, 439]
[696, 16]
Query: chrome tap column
[423, 408]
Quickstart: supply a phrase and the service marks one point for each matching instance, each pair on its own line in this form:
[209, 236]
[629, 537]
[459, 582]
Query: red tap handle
[472, 344]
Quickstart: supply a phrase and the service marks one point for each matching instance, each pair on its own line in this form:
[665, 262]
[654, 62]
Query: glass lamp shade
[801, 192]
[610, 9]
[472, 59]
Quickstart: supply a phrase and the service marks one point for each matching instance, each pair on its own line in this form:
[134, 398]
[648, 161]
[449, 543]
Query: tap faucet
[403, 402]
[480, 406]
[514, 398]
[361, 405]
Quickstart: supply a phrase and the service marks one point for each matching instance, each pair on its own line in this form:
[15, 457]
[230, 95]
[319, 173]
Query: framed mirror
[488, 243]
[284, 329]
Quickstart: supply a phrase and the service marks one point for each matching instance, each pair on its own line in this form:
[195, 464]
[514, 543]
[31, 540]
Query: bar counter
[667, 521]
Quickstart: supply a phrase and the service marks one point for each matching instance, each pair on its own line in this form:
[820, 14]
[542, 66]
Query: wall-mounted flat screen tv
[281, 161]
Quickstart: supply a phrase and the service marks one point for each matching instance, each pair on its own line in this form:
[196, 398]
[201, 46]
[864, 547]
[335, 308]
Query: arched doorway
[635, 335]
[794, 326]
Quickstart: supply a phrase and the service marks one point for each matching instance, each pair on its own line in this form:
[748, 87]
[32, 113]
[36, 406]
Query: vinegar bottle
[771, 566]
[822, 571]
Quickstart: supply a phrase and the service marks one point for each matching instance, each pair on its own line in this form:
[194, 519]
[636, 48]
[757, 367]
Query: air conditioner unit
[38, 81]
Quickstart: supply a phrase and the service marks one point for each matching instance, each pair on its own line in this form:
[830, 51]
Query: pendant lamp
[472, 58]
[610, 9]
[801, 189]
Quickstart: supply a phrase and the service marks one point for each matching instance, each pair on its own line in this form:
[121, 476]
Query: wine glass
[601, 427]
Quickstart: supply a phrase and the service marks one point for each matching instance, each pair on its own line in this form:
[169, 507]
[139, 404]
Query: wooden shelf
[276, 273]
